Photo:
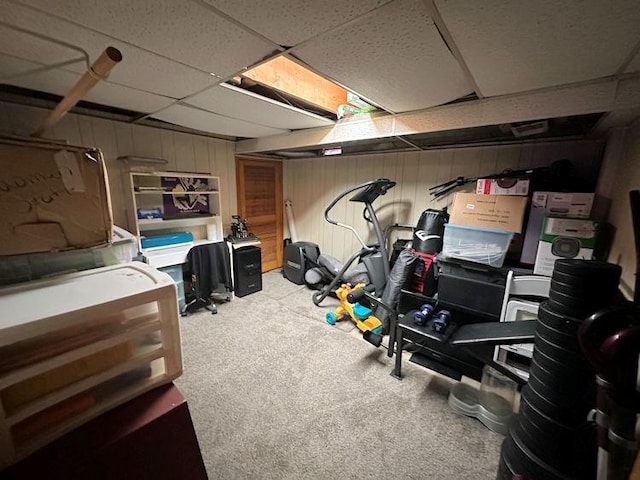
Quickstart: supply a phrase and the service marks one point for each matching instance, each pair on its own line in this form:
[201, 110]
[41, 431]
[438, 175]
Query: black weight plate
[577, 312]
[565, 340]
[566, 384]
[555, 317]
[525, 462]
[557, 394]
[566, 357]
[550, 449]
[566, 325]
[591, 303]
[574, 415]
[587, 268]
[586, 290]
[547, 428]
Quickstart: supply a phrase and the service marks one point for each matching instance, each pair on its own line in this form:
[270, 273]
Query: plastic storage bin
[77, 345]
[475, 244]
[175, 272]
[22, 268]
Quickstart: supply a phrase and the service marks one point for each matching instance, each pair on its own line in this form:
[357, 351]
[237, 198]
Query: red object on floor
[149, 437]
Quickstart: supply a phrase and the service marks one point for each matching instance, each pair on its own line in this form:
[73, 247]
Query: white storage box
[76, 345]
[564, 238]
[475, 244]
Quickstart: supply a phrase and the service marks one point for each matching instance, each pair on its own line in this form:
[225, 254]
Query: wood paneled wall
[311, 184]
[621, 173]
[183, 152]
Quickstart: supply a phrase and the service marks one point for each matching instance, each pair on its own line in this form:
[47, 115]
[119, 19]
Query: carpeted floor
[276, 393]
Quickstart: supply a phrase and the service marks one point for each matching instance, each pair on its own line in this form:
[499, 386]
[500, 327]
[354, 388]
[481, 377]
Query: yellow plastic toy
[359, 314]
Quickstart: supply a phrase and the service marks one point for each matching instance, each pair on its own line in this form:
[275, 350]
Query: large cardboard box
[52, 197]
[564, 238]
[500, 212]
[543, 204]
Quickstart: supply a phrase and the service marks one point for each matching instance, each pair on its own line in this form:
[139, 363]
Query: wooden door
[260, 202]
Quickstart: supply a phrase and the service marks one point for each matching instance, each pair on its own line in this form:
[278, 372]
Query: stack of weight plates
[550, 438]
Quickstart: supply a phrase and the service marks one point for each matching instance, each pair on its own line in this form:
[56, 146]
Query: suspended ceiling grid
[405, 56]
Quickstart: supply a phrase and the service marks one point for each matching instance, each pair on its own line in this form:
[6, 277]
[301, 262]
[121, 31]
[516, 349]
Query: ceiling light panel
[185, 31]
[234, 102]
[139, 69]
[32, 48]
[518, 46]
[394, 58]
[190, 117]
[289, 23]
[59, 82]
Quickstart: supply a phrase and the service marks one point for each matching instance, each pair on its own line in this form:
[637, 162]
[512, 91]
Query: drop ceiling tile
[234, 102]
[517, 46]
[185, 31]
[139, 69]
[634, 65]
[12, 66]
[190, 117]
[289, 23]
[395, 58]
[32, 48]
[59, 82]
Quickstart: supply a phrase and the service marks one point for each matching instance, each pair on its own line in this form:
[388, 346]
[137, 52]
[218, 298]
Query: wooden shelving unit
[172, 194]
[77, 345]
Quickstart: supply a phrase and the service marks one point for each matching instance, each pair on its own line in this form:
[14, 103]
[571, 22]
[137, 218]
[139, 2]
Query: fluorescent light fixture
[332, 151]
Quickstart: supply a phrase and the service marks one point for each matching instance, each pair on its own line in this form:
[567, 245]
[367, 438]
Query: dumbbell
[422, 316]
[441, 321]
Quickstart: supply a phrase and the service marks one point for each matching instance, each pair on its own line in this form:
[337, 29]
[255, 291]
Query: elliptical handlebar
[369, 192]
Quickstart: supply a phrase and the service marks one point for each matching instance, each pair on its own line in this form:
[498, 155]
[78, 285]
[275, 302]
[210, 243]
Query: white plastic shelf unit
[77, 345]
[176, 196]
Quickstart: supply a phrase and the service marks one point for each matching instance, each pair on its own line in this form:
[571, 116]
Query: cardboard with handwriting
[53, 197]
[500, 212]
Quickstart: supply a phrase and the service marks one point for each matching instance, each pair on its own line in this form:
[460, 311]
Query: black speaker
[247, 270]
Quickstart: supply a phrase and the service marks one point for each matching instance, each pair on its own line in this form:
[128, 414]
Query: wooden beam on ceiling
[289, 77]
[604, 95]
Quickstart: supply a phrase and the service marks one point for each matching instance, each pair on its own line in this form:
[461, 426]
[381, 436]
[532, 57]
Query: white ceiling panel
[139, 69]
[184, 31]
[11, 66]
[237, 103]
[395, 58]
[190, 117]
[517, 46]
[59, 82]
[288, 23]
[30, 47]
[634, 65]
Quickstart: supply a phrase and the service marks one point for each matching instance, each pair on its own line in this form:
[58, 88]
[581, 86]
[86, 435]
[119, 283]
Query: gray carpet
[276, 393]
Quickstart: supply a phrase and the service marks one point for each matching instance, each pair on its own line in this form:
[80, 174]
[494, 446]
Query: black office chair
[208, 266]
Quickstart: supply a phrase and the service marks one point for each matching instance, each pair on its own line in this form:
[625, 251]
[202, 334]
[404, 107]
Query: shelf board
[159, 192]
[160, 224]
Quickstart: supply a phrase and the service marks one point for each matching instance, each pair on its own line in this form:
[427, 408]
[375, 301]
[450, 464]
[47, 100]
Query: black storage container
[471, 287]
[247, 270]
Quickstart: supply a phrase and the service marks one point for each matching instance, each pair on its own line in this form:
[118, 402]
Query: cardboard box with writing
[500, 212]
[52, 197]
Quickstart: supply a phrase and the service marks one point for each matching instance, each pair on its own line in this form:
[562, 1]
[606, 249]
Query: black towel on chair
[209, 266]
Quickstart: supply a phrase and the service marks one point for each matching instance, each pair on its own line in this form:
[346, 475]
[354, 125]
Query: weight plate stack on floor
[548, 438]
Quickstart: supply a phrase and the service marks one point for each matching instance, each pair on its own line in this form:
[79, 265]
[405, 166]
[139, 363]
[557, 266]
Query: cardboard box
[501, 212]
[543, 204]
[564, 238]
[52, 197]
[489, 186]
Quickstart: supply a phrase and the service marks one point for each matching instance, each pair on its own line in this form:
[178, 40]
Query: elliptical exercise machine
[374, 256]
